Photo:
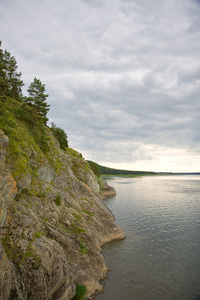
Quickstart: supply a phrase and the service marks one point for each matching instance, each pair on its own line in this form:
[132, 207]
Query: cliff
[53, 221]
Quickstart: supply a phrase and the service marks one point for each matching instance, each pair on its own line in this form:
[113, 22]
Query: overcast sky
[123, 76]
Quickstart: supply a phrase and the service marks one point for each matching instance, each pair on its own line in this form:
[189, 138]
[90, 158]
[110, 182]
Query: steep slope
[56, 224]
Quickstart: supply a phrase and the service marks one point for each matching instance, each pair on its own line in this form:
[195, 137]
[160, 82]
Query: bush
[58, 200]
[77, 229]
[60, 135]
[37, 235]
[81, 291]
[83, 249]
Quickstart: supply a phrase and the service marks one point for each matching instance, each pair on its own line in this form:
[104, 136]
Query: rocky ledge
[108, 191]
[56, 223]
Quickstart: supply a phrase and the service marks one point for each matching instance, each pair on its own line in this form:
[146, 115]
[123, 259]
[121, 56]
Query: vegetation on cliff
[49, 201]
[23, 119]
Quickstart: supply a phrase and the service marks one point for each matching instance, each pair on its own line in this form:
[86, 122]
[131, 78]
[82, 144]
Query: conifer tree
[3, 81]
[37, 102]
[10, 80]
[12, 76]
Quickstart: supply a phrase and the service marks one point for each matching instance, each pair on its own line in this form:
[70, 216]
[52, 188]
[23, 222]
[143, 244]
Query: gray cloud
[123, 76]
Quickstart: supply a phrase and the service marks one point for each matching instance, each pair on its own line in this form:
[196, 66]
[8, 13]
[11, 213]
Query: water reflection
[159, 259]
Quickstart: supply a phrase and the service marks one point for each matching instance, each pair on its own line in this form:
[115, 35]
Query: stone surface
[8, 187]
[6, 275]
[58, 225]
[4, 142]
[108, 191]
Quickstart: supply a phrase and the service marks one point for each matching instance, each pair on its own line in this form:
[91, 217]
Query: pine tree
[3, 81]
[37, 102]
[10, 82]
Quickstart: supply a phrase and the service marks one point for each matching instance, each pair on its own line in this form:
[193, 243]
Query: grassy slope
[22, 139]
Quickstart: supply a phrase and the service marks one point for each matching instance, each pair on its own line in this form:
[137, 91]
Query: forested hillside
[101, 170]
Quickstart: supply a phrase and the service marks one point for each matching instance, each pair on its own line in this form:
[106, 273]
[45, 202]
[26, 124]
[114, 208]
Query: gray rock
[58, 227]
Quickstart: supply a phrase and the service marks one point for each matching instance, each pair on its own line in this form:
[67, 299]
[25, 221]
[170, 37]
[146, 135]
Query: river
[160, 257]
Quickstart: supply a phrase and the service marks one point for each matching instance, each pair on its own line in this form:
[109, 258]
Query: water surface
[160, 257]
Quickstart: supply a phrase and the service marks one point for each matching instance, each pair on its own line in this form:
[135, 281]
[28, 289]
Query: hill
[102, 170]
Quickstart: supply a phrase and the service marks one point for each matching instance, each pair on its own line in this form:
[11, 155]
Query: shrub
[81, 291]
[83, 248]
[77, 229]
[58, 200]
[37, 235]
[60, 135]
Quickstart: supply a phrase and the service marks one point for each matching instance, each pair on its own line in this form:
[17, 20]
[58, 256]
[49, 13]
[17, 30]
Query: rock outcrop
[7, 184]
[108, 191]
[8, 191]
[56, 225]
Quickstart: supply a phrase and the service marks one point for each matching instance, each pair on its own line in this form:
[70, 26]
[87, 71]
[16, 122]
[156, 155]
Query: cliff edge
[53, 222]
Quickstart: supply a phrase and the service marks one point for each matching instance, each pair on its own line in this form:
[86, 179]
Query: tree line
[101, 170]
[33, 108]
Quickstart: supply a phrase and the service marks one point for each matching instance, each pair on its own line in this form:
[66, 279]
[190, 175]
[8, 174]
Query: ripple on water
[159, 259]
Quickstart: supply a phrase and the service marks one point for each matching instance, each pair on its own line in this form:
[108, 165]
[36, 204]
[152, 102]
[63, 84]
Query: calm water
[160, 257]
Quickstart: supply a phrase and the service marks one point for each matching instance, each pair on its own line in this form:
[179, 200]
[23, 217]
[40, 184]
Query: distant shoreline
[145, 174]
[107, 172]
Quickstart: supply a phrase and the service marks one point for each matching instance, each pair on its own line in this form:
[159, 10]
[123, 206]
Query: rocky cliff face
[56, 224]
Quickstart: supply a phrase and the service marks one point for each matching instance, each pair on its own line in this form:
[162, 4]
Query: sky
[123, 76]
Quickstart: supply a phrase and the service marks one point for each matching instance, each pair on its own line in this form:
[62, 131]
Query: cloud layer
[123, 76]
